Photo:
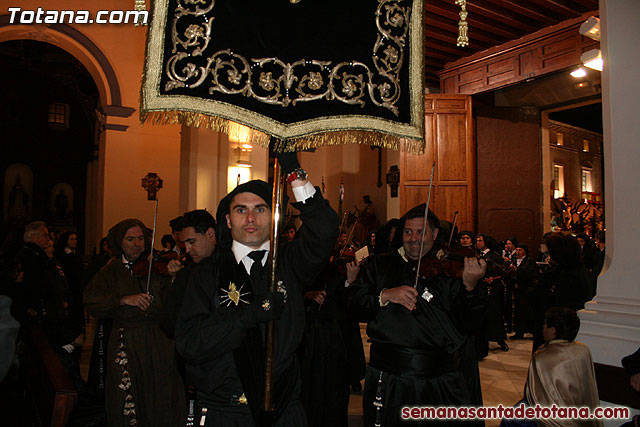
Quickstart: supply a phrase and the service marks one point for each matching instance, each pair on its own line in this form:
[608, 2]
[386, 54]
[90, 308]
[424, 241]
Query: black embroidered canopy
[311, 72]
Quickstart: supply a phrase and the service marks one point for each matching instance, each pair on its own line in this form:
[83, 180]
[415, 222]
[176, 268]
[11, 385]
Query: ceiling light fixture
[578, 72]
[591, 28]
[592, 59]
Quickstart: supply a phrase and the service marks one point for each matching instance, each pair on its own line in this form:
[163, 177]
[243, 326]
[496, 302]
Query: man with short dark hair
[289, 231]
[196, 229]
[221, 327]
[419, 352]
[466, 239]
[179, 244]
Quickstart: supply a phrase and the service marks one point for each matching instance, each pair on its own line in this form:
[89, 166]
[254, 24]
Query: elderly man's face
[41, 238]
[413, 234]
[133, 243]
[49, 249]
[249, 219]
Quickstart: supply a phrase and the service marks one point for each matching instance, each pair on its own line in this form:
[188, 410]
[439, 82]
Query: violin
[345, 256]
[160, 262]
[445, 260]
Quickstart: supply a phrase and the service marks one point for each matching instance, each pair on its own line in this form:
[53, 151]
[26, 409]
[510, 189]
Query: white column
[611, 323]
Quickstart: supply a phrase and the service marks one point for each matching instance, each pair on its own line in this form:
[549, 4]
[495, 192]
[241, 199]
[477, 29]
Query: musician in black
[419, 334]
[197, 230]
[221, 327]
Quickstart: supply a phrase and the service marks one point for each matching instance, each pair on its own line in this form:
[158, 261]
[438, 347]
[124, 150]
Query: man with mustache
[419, 354]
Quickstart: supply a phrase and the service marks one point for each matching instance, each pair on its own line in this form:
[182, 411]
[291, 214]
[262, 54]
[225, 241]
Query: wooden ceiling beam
[448, 46]
[438, 54]
[474, 34]
[451, 12]
[590, 5]
[433, 64]
[517, 7]
[561, 11]
[432, 33]
[500, 14]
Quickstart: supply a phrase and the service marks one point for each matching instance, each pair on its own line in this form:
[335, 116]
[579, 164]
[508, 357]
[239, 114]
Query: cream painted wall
[129, 156]
[357, 166]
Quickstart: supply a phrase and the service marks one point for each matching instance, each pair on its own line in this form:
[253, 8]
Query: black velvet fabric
[333, 31]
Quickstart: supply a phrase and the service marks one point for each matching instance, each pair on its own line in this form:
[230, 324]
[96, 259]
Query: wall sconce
[592, 59]
[243, 158]
[240, 135]
[591, 28]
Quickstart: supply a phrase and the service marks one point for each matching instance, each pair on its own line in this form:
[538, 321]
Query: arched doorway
[49, 110]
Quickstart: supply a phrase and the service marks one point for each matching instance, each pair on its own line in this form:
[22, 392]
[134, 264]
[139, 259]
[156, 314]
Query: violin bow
[453, 227]
[425, 224]
[349, 237]
[153, 242]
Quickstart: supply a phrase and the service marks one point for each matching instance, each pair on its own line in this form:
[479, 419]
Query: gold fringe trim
[375, 139]
[199, 120]
[219, 124]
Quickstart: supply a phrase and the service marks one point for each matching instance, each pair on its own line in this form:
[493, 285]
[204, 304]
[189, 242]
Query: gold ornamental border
[328, 130]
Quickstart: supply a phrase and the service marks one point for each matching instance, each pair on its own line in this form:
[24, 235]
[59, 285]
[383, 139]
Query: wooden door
[450, 143]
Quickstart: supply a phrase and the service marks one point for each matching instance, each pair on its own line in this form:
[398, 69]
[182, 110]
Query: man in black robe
[419, 354]
[221, 327]
[197, 230]
[526, 272]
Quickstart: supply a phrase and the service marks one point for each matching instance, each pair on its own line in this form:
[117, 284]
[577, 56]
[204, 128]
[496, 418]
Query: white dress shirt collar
[241, 252]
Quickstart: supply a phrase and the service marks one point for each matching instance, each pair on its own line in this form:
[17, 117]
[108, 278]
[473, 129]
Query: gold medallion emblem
[233, 295]
[242, 399]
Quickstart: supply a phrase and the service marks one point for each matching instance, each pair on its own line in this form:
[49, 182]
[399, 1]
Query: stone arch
[85, 51]
[78, 45]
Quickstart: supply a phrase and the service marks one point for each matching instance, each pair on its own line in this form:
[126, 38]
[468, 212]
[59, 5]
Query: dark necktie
[256, 267]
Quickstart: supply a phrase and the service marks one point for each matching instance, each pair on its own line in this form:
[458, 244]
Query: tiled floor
[502, 374]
